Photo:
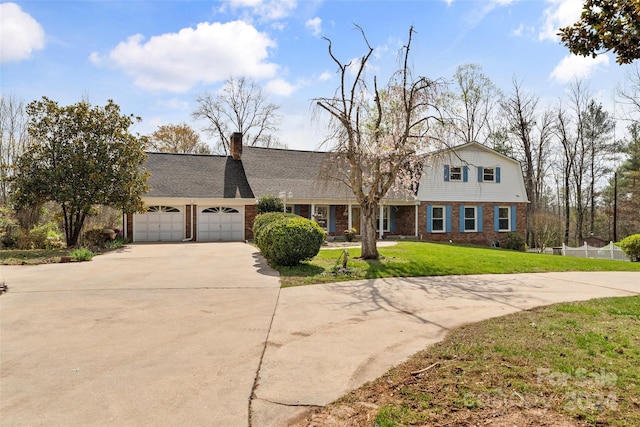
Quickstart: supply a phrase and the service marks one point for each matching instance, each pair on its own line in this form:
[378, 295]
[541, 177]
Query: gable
[481, 175]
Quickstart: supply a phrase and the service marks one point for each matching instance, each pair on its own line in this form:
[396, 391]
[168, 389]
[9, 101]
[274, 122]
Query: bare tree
[177, 139]
[600, 147]
[14, 139]
[241, 106]
[530, 134]
[568, 146]
[378, 133]
[630, 92]
[469, 105]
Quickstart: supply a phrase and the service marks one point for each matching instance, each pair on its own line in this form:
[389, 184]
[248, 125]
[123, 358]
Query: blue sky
[154, 57]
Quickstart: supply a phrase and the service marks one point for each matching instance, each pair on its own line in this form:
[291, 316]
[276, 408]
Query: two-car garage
[162, 223]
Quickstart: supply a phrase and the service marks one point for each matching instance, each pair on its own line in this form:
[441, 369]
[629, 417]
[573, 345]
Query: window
[488, 174]
[455, 173]
[469, 218]
[491, 174]
[437, 219]
[162, 209]
[386, 215]
[288, 208]
[321, 216]
[220, 209]
[504, 218]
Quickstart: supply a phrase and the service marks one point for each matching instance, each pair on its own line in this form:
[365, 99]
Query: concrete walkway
[329, 339]
[201, 334]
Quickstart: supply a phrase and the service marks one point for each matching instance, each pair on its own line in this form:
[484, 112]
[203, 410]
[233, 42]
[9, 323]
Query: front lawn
[410, 259]
[569, 364]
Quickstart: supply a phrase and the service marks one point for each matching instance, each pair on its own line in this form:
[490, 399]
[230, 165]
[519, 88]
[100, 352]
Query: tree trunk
[368, 231]
[567, 208]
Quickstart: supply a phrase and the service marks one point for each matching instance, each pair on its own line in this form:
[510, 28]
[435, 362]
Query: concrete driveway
[176, 334]
[151, 335]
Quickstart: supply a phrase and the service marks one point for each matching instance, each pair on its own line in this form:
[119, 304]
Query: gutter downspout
[191, 228]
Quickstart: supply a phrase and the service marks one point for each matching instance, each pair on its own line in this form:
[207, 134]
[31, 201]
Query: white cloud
[315, 25]
[518, 31]
[266, 9]
[210, 53]
[280, 87]
[573, 67]
[325, 76]
[560, 13]
[20, 34]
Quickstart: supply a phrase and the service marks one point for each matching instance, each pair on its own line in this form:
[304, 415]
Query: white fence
[610, 251]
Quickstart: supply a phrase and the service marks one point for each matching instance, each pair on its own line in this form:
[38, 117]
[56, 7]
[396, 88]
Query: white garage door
[159, 224]
[220, 224]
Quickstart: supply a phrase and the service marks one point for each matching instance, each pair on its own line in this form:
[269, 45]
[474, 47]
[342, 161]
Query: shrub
[265, 219]
[269, 203]
[45, 236]
[94, 237]
[82, 254]
[513, 241]
[631, 247]
[290, 239]
[114, 244]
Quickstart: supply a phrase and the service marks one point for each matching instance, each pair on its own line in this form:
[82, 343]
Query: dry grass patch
[563, 365]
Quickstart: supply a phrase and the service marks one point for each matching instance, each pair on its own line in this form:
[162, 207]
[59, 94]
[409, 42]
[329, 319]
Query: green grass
[575, 361]
[32, 256]
[410, 259]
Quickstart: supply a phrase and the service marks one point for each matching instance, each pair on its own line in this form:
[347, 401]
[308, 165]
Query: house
[471, 194]
[213, 198]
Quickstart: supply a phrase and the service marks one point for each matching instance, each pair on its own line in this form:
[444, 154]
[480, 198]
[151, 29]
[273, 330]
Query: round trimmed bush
[290, 239]
[631, 246]
[262, 220]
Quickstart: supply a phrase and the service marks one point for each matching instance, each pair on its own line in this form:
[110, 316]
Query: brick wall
[250, 212]
[405, 220]
[130, 226]
[486, 237]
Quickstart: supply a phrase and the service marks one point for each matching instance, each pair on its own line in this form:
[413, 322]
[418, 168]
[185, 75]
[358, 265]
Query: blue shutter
[446, 172]
[448, 209]
[392, 215]
[332, 219]
[498, 174]
[297, 209]
[479, 219]
[513, 217]
[462, 218]
[429, 215]
[496, 218]
[465, 173]
[480, 173]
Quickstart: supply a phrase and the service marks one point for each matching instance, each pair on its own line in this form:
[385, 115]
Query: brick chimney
[236, 145]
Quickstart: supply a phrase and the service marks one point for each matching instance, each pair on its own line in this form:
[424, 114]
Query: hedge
[287, 239]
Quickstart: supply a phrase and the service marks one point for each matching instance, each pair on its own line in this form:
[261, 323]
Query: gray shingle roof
[261, 171]
[306, 174]
[192, 175]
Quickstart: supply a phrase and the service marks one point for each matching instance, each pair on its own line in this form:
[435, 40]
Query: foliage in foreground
[82, 254]
[412, 259]
[570, 363]
[81, 156]
[631, 246]
[286, 239]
